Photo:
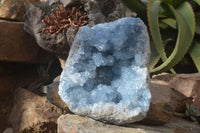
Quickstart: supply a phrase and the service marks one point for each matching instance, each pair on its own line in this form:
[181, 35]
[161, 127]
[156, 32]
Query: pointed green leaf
[163, 12]
[152, 12]
[197, 1]
[170, 21]
[174, 3]
[163, 25]
[186, 27]
[197, 28]
[195, 54]
[155, 57]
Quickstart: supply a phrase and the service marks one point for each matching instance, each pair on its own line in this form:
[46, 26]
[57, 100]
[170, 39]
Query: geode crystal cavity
[106, 75]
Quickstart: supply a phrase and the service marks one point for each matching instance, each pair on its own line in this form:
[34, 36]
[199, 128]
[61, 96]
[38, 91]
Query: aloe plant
[178, 15]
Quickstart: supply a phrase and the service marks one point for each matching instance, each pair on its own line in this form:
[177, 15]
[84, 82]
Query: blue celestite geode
[106, 75]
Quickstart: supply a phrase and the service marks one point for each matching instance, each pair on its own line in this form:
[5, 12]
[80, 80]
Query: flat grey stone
[76, 124]
[106, 75]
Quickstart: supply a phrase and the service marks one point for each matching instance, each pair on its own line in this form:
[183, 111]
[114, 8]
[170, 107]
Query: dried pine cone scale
[61, 19]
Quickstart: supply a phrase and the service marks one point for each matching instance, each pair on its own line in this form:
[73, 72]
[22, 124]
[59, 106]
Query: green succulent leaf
[186, 27]
[197, 1]
[152, 12]
[163, 25]
[197, 28]
[163, 11]
[195, 54]
[170, 21]
[155, 57]
[174, 3]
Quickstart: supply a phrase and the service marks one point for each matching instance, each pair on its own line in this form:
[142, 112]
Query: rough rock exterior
[186, 84]
[162, 106]
[53, 97]
[30, 109]
[12, 9]
[18, 46]
[15, 9]
[76, 124]
[98, 11]
[106, 75]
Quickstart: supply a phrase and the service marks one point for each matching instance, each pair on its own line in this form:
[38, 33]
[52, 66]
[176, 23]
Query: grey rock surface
[53, 97]
[18, 46]
[76, 124]
[106, 75]
[30, 110]
[8, 130]
[98, 11]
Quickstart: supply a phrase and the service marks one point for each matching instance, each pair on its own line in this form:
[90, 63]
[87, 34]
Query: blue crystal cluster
[106, 75]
